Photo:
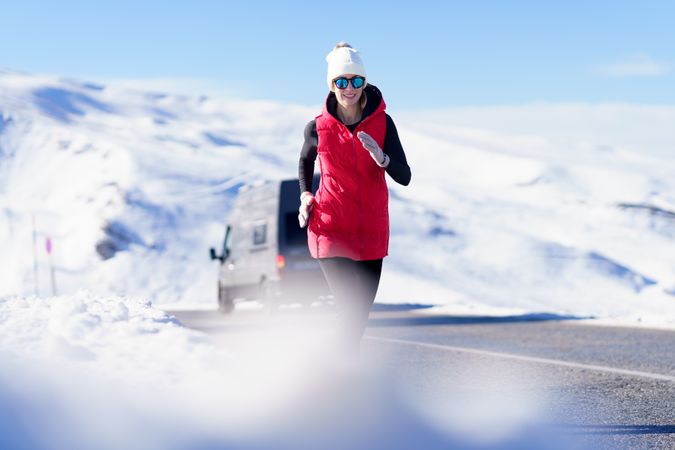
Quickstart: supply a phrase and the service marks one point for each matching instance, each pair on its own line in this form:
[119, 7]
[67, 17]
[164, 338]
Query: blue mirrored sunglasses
[342, 82]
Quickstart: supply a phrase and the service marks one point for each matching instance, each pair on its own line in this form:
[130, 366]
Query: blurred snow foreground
[85, 372]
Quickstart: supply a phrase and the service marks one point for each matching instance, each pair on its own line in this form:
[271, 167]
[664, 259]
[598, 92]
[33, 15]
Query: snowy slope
[145, 178]
[579, 220]
[564, 209]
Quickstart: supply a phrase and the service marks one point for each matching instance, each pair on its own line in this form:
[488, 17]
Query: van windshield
[295, 236]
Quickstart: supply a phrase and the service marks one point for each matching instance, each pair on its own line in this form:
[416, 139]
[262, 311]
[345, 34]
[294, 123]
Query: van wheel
[225, 300]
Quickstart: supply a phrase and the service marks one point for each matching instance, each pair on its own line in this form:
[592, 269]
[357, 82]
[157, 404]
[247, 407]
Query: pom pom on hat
[343, 59]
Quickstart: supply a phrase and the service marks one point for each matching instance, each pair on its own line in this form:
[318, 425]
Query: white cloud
[634, 65]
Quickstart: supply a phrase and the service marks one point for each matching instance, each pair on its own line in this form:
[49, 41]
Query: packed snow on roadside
[110, 372]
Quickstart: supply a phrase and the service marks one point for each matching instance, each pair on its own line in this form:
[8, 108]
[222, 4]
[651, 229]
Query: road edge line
[533, 359]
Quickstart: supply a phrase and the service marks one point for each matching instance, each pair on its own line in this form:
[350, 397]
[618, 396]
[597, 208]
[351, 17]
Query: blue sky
[422, 54]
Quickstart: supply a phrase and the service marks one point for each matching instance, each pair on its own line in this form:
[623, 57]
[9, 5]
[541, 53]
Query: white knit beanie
[341, 60]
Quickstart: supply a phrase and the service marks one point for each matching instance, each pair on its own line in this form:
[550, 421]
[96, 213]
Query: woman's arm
[307, 157]
[398, 167]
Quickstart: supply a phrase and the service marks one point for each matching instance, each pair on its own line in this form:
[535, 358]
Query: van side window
[260, 234]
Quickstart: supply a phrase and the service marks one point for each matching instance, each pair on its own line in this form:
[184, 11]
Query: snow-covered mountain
[561, 209]
[132, 187]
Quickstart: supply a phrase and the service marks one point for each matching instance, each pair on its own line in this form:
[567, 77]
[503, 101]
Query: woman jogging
[356, 142]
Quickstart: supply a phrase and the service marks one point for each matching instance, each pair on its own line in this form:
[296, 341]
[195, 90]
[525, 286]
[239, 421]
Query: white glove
[306, 205]
[381, 159]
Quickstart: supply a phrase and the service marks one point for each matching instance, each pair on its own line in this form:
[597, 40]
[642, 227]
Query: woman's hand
[306, 205]
[376, 152]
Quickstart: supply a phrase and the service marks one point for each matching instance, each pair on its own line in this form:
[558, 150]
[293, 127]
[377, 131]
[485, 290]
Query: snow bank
[83, 372]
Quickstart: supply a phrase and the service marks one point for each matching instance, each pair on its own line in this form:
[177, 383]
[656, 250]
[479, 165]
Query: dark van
[264, 254]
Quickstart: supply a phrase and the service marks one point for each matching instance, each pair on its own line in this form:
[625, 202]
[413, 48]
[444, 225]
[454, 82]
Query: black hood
[373, 101]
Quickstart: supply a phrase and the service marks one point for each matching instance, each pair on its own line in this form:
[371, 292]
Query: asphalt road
[606, 387]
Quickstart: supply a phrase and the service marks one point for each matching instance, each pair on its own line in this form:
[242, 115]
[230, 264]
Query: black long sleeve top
[398, 167]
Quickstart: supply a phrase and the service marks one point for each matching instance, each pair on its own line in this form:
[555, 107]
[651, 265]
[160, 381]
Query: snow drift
[108, 372]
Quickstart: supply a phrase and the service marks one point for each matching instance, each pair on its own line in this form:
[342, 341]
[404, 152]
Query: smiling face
[348, 98]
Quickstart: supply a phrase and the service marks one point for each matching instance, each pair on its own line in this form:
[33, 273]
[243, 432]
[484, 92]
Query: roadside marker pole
[48, 244]
[35, 263]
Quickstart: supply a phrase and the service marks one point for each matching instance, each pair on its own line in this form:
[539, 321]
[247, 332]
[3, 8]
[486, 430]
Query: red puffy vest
[350, 217]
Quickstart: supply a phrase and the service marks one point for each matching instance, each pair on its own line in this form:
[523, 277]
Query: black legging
[354, 286]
